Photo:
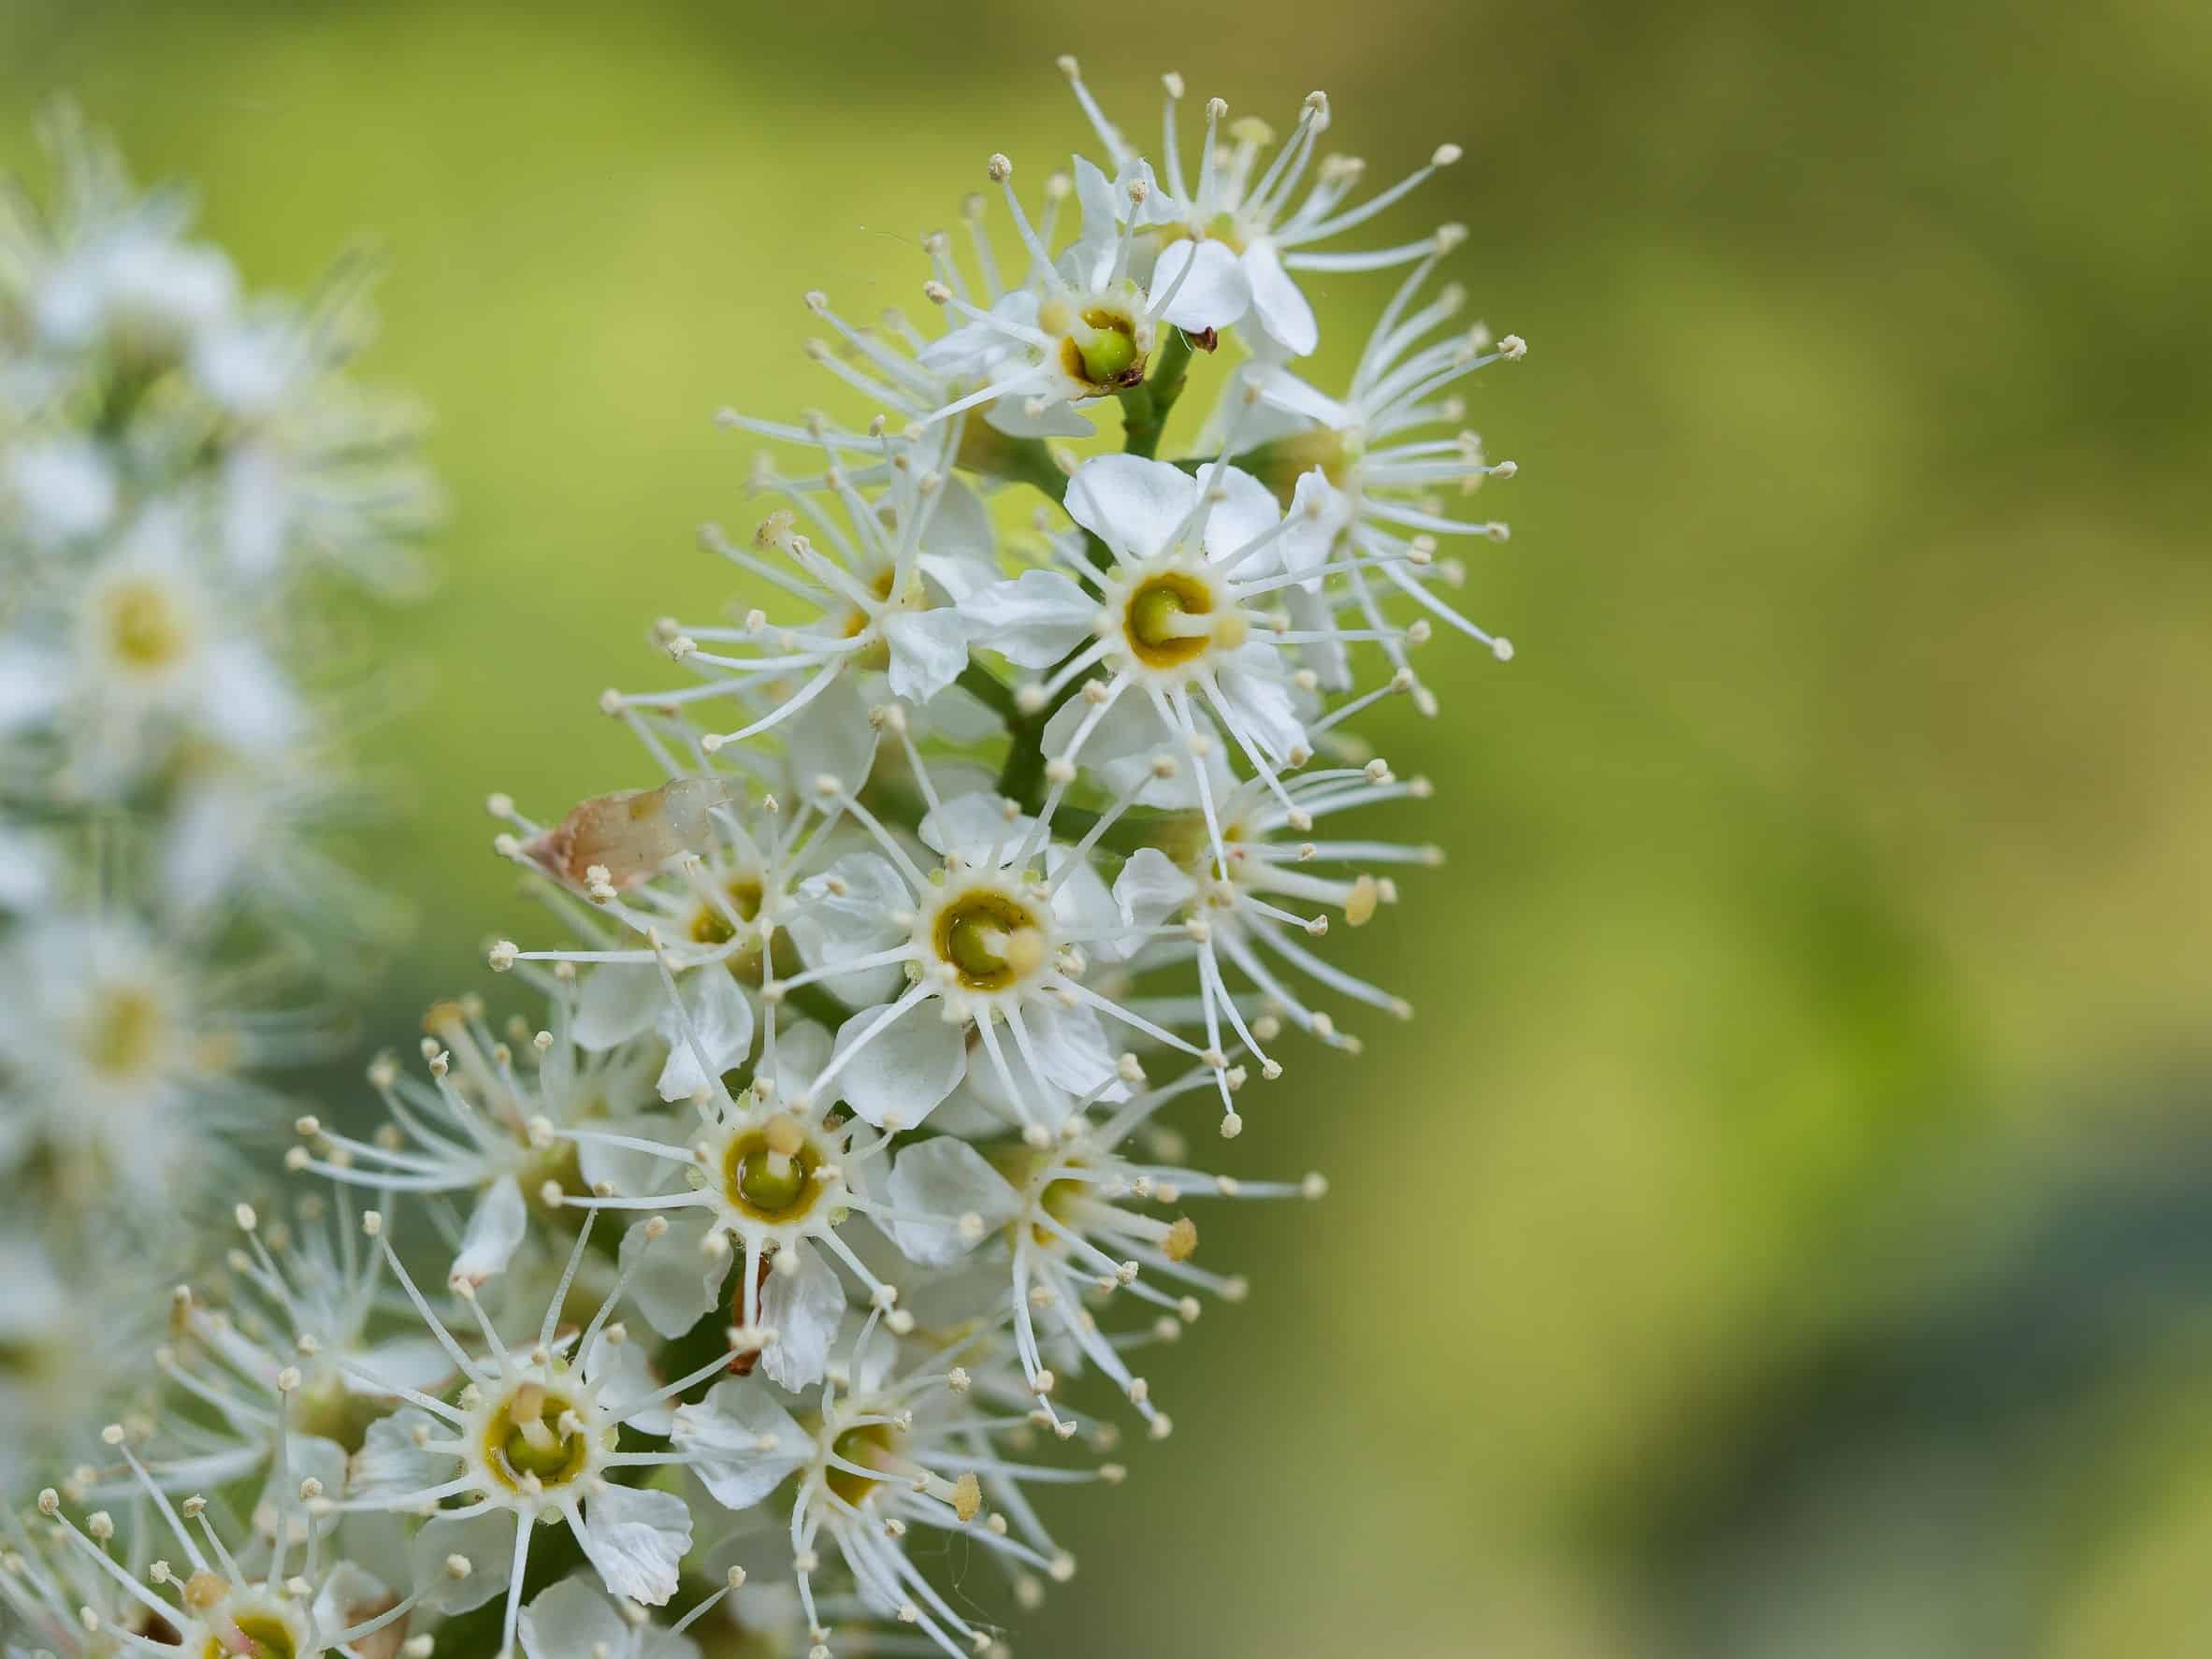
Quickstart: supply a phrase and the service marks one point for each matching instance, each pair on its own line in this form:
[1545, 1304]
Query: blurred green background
[1788, 1231]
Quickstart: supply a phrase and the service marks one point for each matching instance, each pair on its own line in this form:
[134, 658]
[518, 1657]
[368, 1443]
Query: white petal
[800, 1053]
[1256, 689]
[1150, 889]
[677, 1284]
[248, 701]
[1095, 194]
[1034, 620]
[33, 681]
[929, 648]
[972, 824]
[635, 1537]
[721, 1025]
[348, 1597]
[417, 1362]
[802, 1308]
[1215, 295]
[831, 737]
[1282, 389]
[1081, 901]
[906, 1069]
[1246, 512]
[844, 913]
[1278, 303]
[628, 1172]
[391, 1464]
[496, 1229]
[1071, 1046]
[1010, 414]
[1329, 658]
[1135, 506]
[959, 717]
[485, 1542]
[1318, 512]
[959, 526]
[572, 1619]
[935, 1184]
[741, 1443]
[619, 1001]
[625, 1377]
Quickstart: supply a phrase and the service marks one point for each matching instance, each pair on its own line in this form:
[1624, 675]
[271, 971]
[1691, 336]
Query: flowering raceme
[829, 1178]
[184, 472]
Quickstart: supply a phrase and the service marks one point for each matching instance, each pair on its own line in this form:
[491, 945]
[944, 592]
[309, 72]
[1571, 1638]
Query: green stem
[1145, 408]
[1023, 778]
[987, 687]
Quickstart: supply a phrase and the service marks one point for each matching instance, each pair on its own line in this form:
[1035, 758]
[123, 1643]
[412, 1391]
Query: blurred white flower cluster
[180, 466]
[820, 1208]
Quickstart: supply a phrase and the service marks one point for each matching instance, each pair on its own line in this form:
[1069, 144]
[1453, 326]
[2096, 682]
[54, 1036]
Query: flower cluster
[182, 468]
[826, 1195]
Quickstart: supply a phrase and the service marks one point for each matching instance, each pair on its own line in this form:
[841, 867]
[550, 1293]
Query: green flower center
[266, 1636]
[523, 1442]
[769, 1172]
[872, 1447]
[1106, 357]
[711, 927]
[125, 1033]
[1159, 620]
[144, 627]
[990, 939]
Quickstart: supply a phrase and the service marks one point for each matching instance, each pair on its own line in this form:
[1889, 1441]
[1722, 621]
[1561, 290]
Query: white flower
[768, 1176]
[895, 1448]
[117, 1057]
[304, 1347]
[993, 942]
[1070, 1223]
[482, 1128]
[1174, 616]
[534, 1435]
[1375, 484]
[144, 654]
[878, 572]
[1236, 236]
[575, 1619]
